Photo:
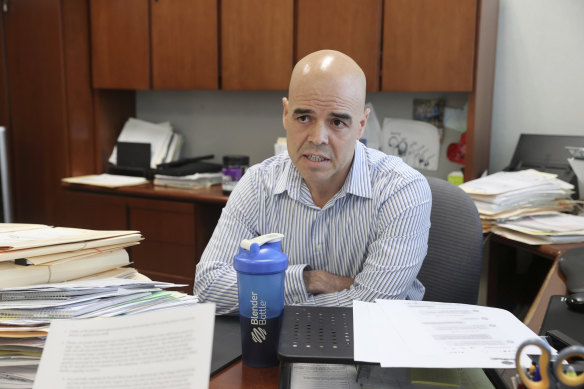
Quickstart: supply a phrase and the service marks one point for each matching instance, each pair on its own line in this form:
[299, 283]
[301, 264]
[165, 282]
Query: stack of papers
[193, 181]
[543, 229]
[510, 195]
[36, 254]
[26, 312]
[163, 350]
[424, 334]
[165, 144]
[106, 180]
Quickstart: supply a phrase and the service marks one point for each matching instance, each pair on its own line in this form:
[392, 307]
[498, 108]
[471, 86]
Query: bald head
[329, 68]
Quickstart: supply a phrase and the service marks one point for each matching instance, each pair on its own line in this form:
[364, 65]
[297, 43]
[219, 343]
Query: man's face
[323, 120]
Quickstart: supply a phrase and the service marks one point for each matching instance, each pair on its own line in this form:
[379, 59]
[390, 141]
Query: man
[355, 220]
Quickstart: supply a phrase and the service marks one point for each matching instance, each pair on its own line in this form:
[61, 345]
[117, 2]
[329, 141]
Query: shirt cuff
[295, 290]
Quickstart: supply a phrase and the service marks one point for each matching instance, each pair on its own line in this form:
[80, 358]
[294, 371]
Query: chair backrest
[452, 268]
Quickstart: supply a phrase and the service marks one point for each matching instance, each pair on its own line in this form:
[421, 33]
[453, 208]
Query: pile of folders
[50, 273]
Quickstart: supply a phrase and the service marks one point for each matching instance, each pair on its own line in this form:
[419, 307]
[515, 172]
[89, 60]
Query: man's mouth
[315, 158]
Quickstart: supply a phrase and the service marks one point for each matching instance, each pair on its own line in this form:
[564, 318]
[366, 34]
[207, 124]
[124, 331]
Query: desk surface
[212, 194]
[241, 376]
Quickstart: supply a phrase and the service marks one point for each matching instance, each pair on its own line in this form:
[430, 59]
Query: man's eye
[303, 119]
[338, 123]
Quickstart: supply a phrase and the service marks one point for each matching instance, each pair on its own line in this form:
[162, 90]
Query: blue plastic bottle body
[261, 302]
[260, 278]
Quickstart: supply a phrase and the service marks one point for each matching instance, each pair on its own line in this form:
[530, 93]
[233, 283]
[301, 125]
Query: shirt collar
[357, 182]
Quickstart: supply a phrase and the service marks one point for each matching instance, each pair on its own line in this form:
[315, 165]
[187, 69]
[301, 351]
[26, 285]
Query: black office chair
[451, 271]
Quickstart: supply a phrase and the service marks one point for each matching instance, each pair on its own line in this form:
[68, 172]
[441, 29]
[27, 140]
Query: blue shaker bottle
[260, 265]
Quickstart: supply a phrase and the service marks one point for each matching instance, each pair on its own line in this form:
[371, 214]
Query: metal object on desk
[552, 371]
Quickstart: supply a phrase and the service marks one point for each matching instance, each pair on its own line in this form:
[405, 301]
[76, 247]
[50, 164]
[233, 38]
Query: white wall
[539, 75]
[249, 122]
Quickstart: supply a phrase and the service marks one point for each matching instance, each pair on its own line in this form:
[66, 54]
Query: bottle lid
[235, 160]
[261, 255]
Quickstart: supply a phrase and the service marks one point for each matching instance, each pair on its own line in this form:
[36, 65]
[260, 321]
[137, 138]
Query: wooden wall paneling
[4, 110]
[184, 44]
[351, 27]
[112, 108]
[428, 45]
[256, 44]
[120, 43]
[480, 101]
[78, 88]
[37, 105]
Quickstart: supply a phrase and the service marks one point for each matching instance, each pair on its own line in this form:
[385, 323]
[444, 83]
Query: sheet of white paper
[416, 142]
[443, 335]
[323, 376]
[107, 180]
[164, 349]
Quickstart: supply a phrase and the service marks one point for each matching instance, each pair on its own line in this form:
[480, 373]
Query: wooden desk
[240, 376]
[176, 223]
[508, 283]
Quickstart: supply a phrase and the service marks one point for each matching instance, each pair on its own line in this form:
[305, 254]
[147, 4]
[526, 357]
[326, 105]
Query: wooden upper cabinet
[352, 27]
[256, 44]
[184, 44]
[428, 45]
[120, 47]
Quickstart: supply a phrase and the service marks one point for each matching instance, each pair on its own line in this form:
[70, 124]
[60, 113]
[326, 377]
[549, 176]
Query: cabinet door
[168, 250]
[352, 27]
[38, 131]
[120, 45]
[184, 44]
[95, 211]
[256, 44]
[428, 45]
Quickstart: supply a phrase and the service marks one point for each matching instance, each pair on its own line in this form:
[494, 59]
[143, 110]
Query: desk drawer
[163, 221]
[177, 259]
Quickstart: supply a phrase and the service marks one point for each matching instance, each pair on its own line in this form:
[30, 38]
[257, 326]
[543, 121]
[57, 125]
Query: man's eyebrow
[344, 116]
[302, 111]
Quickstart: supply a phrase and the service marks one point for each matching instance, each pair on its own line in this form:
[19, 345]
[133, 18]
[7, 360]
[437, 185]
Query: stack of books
[505, 196]
[51, 273]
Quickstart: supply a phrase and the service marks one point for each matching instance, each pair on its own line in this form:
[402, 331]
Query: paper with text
[439, 335]
[163, 349]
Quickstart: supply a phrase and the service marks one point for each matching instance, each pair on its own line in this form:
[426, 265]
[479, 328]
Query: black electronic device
[226, 343]
[561, 318]
[546, 153]
[132, 159]
[576, 302]
[188, 166]
[316, 334]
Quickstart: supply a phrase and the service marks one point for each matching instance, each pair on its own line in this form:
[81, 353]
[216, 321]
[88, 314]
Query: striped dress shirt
[375, 230]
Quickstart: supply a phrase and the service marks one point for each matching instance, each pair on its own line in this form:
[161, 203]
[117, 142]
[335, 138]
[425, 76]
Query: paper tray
[316, 335]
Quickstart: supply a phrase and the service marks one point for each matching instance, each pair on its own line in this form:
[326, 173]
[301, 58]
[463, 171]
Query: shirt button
[319, 247]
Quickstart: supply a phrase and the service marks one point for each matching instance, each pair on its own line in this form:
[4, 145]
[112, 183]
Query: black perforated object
[316, 335]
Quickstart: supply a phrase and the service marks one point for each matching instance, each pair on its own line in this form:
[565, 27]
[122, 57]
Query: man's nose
[319, 133]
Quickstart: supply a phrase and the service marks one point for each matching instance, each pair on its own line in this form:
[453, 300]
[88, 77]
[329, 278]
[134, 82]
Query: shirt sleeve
[215, 278]
[395, 255]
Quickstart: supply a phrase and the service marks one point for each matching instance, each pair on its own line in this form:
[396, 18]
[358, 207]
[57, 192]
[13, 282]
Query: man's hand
[320, 281]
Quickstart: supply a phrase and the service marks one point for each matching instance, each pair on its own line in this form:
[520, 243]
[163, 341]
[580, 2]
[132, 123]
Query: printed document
[163, 349]
[437, 335]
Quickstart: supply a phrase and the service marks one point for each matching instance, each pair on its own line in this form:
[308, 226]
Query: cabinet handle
[5, 6]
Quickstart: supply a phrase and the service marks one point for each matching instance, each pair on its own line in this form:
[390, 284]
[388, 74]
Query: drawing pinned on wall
[416, 142]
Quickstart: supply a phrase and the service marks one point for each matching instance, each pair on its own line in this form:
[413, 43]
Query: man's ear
[285, 111]
[363, 122]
